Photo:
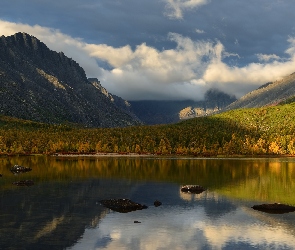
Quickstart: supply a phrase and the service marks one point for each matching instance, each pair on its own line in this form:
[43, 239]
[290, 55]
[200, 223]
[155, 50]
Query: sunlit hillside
[257, 131]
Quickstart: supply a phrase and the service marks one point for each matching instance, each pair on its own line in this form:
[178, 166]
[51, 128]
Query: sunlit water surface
[62, 210]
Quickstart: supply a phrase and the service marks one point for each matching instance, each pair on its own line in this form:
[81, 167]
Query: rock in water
[17, 169]
[157, 203]
[122, 205]
[194, 189]
[274, 208]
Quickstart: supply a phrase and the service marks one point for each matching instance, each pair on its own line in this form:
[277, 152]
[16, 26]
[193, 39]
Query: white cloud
[175, 8]
[157, 74]
[114, 56]
[267, 58]
[185, 72]
[192, 228]
[200, 31]
[240, 80]
[291, 49]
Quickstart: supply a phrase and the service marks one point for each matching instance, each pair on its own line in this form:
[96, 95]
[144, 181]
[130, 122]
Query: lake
[62, 210]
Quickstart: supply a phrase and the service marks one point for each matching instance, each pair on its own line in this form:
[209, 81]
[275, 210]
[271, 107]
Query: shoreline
[146, 155]
[105, 155]
[97, 155]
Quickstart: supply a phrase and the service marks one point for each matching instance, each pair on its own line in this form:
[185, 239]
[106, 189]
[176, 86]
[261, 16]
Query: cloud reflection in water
[199, 222]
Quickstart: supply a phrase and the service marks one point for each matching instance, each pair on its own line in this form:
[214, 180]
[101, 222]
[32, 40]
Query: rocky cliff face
[268, 94]
[45, 86]
[122, 104]
[192, 112]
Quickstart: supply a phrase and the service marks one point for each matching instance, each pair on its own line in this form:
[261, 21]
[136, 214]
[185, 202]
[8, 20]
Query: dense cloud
[166, 49]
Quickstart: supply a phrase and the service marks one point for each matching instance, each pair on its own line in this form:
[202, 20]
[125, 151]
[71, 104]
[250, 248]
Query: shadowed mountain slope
[42, 85]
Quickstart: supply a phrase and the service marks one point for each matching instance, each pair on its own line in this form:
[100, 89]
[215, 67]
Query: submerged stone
[24, 183]
[122, 205]
[274, 208]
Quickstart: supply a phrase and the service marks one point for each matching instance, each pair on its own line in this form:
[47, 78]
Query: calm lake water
[62, 210]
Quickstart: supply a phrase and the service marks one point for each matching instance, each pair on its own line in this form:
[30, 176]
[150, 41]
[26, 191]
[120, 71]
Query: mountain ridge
[268, 94]
[42, 85]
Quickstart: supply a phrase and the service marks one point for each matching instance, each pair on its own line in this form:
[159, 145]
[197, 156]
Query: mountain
[42, 85]
[163, 112]
[122, 104]
[269, 94]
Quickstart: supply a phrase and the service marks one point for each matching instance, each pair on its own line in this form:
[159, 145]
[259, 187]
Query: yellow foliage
[274, 148]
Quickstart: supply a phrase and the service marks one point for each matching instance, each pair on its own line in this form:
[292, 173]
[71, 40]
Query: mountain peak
[39, 84]
[24, 40]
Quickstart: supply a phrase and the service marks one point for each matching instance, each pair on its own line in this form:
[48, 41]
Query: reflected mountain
[54, 215]
[217, 206]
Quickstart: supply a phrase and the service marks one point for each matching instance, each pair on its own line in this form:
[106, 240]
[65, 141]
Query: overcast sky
[165, 49]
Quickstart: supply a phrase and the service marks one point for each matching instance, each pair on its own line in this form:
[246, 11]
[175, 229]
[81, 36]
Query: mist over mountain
[42, 85]
[269, 94]
[162, 112]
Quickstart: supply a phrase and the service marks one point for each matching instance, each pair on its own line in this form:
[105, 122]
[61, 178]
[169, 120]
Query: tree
[164, 146]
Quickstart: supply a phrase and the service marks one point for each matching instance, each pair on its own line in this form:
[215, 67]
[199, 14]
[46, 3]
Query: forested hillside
[256, 131]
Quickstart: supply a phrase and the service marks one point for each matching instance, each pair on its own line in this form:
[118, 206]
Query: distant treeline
[258, 131]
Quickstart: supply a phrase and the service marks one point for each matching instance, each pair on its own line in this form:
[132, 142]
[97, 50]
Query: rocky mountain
[122, 104]
[215, 101]
[268, 94]
[42, 85]
[163, 112]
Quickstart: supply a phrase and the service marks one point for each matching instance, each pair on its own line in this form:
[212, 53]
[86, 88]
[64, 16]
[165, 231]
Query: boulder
[157, 203]
[122, 205]
[17, 169]
[194, 189]
[274, 208]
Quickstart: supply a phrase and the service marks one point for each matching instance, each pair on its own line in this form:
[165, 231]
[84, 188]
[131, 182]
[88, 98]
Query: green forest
[255, 131]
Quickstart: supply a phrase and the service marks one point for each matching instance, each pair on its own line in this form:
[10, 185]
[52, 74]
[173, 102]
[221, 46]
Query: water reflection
[62, 209]
[195, 225]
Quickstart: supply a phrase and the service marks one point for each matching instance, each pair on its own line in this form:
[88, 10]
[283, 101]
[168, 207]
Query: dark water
[62, 209]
